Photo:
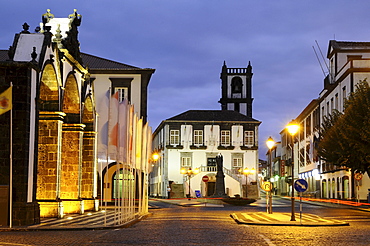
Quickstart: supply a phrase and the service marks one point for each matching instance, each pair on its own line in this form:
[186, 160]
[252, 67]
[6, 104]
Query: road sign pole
[300, 185]
[300, 207]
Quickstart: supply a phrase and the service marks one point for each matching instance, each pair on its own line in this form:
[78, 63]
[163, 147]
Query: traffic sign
[205, 178]
[266, 186]
[300, 185]
[358, 176]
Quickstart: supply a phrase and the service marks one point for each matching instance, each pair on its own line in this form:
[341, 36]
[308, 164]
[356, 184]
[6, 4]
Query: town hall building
[189, 143]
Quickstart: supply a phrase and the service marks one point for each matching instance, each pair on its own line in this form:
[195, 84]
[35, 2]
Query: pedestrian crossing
[263, 218]
[275, 203]
[108, 218]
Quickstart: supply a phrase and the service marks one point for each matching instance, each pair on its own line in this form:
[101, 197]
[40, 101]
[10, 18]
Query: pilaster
[70, 178]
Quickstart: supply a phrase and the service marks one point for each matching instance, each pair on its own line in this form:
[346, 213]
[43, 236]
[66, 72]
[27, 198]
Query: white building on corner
[193, 139]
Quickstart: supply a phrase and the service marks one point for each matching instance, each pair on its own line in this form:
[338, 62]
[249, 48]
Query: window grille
[185, 161]
[198, 137]
[248, 138]
[174, 137]
[225, 137]
[122, 93]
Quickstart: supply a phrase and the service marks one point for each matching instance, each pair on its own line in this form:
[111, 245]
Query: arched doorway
[123, 184]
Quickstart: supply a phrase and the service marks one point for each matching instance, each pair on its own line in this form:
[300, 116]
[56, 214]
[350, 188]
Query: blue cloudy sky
[187, 41]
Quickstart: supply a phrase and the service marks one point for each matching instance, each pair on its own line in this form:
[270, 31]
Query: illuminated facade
[193, 139]
[131, 83]
[306, 160]
[53, 99]
[348, 65]
[59, 132]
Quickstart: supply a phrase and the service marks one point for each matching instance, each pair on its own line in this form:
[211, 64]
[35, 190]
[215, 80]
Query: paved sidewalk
[88, 221]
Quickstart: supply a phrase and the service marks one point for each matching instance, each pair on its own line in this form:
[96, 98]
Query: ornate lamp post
[189, 172]
[292, 128]
[246, 172]
[270, 143]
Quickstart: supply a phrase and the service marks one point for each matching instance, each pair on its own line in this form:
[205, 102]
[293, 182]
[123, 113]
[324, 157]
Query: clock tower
[236, 87]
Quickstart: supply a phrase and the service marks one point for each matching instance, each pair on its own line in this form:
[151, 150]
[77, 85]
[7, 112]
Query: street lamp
[292, 128]
[270, 143]
[246, 172]
[189, 172]
[155, 156]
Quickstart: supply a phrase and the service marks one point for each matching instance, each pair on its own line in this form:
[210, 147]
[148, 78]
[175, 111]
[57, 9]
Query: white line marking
[267, 240]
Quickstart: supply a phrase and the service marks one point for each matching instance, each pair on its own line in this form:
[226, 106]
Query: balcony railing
[226, 171]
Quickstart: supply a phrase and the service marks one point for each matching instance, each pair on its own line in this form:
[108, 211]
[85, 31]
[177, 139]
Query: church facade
[49, 165]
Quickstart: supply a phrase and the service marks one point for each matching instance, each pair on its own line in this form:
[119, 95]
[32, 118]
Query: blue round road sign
[300, 185]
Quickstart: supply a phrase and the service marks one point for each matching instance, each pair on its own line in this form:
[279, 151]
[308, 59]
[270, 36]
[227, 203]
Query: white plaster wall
[32, 132]
[25, 45]
[102, 85]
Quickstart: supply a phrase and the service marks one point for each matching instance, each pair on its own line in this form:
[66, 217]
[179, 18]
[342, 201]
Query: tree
[345, 138]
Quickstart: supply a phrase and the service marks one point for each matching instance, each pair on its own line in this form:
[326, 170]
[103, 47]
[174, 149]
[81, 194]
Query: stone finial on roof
[34, 55]
[75, 18]
[25, 28]
[47, 16]
[58, 37]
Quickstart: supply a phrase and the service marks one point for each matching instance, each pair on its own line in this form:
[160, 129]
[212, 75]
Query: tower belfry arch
[236, 87]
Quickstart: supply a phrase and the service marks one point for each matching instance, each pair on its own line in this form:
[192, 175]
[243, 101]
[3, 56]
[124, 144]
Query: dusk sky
[187, 41]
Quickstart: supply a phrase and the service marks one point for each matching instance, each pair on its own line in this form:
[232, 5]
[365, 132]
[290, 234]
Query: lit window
[237, 162]
[174, 137]
[225, 137]
[248, 138]
[122, 93]
[198, 137]
[185, 161]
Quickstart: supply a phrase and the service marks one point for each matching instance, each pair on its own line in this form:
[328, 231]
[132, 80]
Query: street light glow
[189, 172]
[292, 128]
[155, 156]
[247, 171]
[270, 142]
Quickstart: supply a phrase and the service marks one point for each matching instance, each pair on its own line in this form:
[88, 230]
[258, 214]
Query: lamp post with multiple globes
[189, 172]
[292, 128]
[246, 172]
[270, 144]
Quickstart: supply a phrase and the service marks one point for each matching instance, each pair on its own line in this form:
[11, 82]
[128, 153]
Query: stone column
[49, 163]
[70, 178]
[89, 170]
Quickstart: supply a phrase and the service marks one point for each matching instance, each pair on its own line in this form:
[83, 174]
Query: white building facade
[193, 139]
[349, 64]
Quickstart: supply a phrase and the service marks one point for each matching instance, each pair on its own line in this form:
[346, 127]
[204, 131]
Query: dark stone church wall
[20, 76]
